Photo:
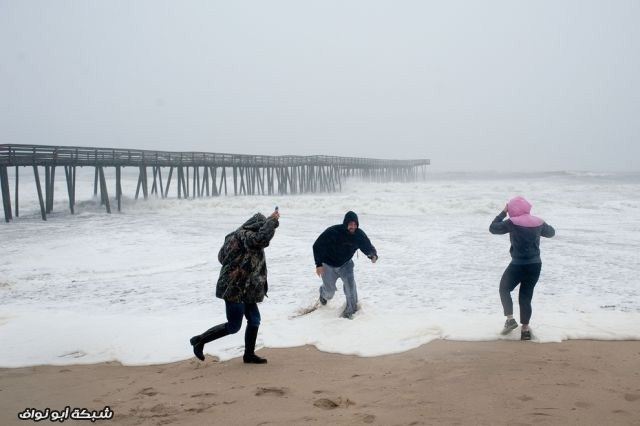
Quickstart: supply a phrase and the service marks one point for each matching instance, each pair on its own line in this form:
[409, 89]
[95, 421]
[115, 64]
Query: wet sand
[443, 382]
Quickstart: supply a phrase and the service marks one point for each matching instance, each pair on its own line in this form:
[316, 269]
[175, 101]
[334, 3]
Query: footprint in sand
[158, 409]
[271, 391]
[330, 404]
[525, 398]
[631, 397]
[581, 404]
[201, 394]
[201, 408]
[366, 418]
[568, 384]
[326, 403]
[148, 392]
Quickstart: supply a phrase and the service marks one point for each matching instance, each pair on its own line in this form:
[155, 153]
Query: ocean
[135, 286]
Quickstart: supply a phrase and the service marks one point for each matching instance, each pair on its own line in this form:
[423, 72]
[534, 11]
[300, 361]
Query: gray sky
[492, 85]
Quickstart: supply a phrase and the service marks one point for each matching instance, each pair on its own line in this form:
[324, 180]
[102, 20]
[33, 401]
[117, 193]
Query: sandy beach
[443, 382]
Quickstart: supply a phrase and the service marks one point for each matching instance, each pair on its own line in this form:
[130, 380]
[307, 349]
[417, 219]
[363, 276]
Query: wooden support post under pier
[52, 181]
[269, 181]
[196, 177]
[119, 188]
[139, 184]
[95, 183]
[194, 188]
[103, 191]
[154, 185]
[6, 197]
[47, 176]
[160, 181]
[214, 186]
[235, 181]
[242, 187]
[185, 181]
[260, 178]
[102, 197]
[145, 186]
[224, 176]
[254, 180]
[17, 192]
[43, 210]
[67, 175]
[179, 182]
[73, 187]
[205, 181]
[166, 190]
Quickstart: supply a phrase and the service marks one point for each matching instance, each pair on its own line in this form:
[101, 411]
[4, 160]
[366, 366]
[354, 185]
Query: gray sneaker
[509, 326]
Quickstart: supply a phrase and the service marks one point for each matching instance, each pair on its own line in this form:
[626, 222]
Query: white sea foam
[135, 286]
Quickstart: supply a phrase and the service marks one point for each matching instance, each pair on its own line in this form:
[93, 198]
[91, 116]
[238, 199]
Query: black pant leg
[529, 280]
[510, 279]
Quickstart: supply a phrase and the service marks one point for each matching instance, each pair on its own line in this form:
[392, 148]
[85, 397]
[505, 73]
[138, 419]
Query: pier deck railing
[252, 174]
[42, 155]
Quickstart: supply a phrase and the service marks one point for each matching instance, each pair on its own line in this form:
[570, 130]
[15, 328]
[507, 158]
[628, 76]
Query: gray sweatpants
[345, 273]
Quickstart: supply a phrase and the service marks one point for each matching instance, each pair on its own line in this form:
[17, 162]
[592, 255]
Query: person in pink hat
[524, 232]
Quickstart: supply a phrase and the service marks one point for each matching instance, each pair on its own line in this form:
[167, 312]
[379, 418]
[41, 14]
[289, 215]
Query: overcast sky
[475, 85]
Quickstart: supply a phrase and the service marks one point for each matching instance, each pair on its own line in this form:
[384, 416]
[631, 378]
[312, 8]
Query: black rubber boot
[210, 335]
[250, 336]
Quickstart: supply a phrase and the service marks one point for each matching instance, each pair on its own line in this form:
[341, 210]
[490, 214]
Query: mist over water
[134, 286]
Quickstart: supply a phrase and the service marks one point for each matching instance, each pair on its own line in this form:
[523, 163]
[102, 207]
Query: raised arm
[499, 226]
[261, 238]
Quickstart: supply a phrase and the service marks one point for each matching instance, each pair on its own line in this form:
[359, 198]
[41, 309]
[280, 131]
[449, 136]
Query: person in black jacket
[332, 253]
[524, 232]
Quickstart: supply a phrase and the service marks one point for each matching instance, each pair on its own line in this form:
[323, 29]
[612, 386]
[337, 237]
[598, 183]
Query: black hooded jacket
[336, 246]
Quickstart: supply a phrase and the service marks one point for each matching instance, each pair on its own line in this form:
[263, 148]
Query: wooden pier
[197, 174]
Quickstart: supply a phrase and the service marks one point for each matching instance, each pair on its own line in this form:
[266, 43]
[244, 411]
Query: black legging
[525, 275]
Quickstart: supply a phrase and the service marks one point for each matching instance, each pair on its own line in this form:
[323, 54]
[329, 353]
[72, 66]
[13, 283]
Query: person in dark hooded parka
[242, 284]
[524, 231]
[332, 253]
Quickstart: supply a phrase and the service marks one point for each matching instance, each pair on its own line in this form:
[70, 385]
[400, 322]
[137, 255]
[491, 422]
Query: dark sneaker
[323, 301]
[509, 326]
[525, 335]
